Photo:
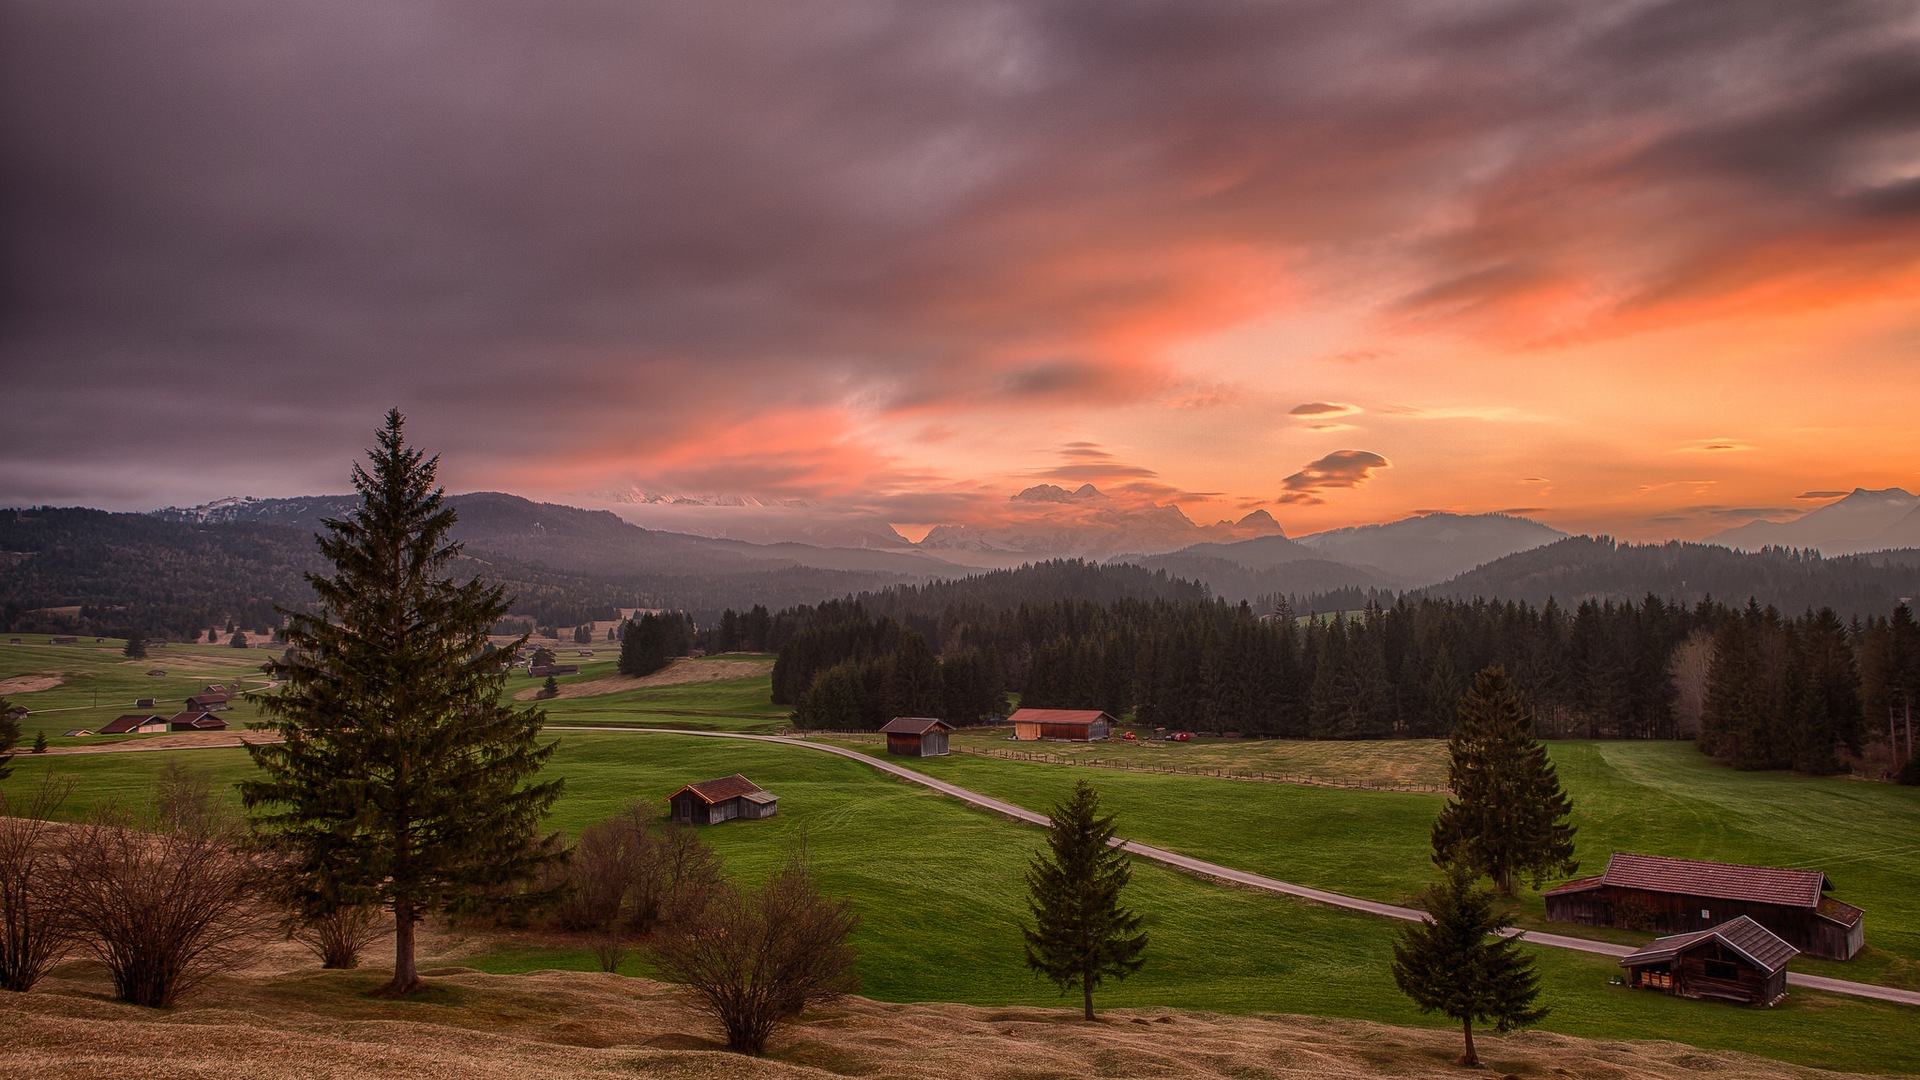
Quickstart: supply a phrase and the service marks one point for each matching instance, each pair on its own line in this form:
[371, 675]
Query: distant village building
[156, 672]
[715, 801]
[17, 712]
[76, 733]
[1739, 960]
[1680, 896]
[1070, 725]
[916, 736]
[135, 724]
[191, 720]
[143, 703]
[541, 671]
[208, 703]
[63, 641]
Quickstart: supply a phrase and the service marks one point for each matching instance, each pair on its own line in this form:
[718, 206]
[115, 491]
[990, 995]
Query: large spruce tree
[1508, 815]
[402, 779]
[1082, 934]
[1455, 962]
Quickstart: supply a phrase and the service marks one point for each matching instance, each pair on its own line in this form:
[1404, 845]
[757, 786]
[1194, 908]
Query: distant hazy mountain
[757, 521]
[1432, 547]
[1048, 521]
[583, 541]
[1584, 567]
[1863, 521]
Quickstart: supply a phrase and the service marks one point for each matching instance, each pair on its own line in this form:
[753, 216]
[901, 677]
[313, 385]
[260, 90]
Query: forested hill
[1600, 568]
[92, 571]
[1036, 583]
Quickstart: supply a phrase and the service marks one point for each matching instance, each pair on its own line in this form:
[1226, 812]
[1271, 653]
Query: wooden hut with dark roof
[208, 703]
[1069, 725]
[1738, 960]
[135, 724]
[916, 736]
[191, 720]
[715, 801]
[1679, 896]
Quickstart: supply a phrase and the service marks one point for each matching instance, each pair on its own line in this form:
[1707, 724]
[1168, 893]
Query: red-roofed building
[196, 721]
[715, 801]
[135, 724]
[1069, 725]
[916, 736]
[1680, 896]
[207, 703]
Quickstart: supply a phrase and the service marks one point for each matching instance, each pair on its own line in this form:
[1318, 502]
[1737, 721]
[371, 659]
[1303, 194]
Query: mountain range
[1862, 521]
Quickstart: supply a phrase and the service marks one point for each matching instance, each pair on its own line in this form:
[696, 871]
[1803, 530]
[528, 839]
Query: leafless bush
[183, 799]
[35, 931]
[755, 959]
[340, 935]
[164, 910]
[630, 873]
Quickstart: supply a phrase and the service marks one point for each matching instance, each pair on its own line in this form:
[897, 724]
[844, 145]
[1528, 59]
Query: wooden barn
[1681, 896]
[208, 703]
[196, 721]
[1070, 725]
[916, 736]
[135, 724]
[715, 801]
[1739, 960]
[543, 671]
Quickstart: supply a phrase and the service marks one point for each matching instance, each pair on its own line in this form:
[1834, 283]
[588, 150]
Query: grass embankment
[940, 892]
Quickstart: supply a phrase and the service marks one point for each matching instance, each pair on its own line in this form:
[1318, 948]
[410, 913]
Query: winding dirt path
[1242, 877]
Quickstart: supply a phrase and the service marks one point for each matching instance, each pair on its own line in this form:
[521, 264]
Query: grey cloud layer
[646, 217]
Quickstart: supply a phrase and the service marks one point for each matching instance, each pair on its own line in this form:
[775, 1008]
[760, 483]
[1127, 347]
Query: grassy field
[939, 886]
[69, 687]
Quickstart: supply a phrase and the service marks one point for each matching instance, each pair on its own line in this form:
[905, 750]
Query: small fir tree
[1508, 815]
[1453, 962]
[401, 778]
[1081, 933]
[39, 747]
[134, 649]
[550, 688]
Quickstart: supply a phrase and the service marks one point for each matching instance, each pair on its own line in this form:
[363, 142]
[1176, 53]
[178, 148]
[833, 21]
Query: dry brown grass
[28, 684]
[296, 1021]
[174, 740]
[682, 670]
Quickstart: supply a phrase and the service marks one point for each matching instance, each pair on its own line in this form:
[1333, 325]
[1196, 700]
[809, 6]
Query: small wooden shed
[1678, 896]
[917, 736]
[715, 801]
[191, 720]
[207, 703]
[1069, 725]
[1739, 960]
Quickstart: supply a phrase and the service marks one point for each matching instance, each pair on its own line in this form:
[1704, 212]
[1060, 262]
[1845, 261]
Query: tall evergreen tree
[401, 777]
[1454, 962]
[10, 738]
[1508, 815]
[1081, 933]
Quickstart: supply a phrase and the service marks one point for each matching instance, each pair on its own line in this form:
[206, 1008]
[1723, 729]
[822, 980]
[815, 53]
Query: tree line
[1643, 669]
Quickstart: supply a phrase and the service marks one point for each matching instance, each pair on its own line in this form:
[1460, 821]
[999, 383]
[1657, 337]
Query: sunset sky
[1646, 268]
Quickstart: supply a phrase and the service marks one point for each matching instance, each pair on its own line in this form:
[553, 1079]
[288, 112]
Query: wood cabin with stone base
[1066, 725]
[916, 736]
[725, 799]
[1739, 960]
[1680, 896]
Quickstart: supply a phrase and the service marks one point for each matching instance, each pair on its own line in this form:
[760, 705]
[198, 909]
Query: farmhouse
[18, 712]
[196, 721]
[1072, 725]
[207, 703]
[715, 801]
[916, 736]
[1739, 960]
[76, 733]
[156, 672]
[135, 724]
[1680, 896]
[540, 671]
[63, 641]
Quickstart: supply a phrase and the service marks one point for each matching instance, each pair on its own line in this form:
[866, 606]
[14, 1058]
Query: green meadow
[940, 892]
[92, 683]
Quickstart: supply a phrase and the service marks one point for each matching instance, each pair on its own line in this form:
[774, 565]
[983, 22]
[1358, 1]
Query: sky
[1645, 267]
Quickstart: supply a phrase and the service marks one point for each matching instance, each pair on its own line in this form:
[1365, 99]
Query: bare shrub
[164, 910]
[630, 873]
[339, 936]
[754, 959]
[183, 799]
[35, 931]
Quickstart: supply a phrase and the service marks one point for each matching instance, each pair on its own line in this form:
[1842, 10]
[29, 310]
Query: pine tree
[134, 649]
[402, 779]
[1508, 815]
[1455, 963]
[10, 738]
[1081, 934]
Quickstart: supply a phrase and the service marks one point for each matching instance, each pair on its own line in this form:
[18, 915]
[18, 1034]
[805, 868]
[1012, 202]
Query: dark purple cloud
[1340, 469]
[236, 232]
